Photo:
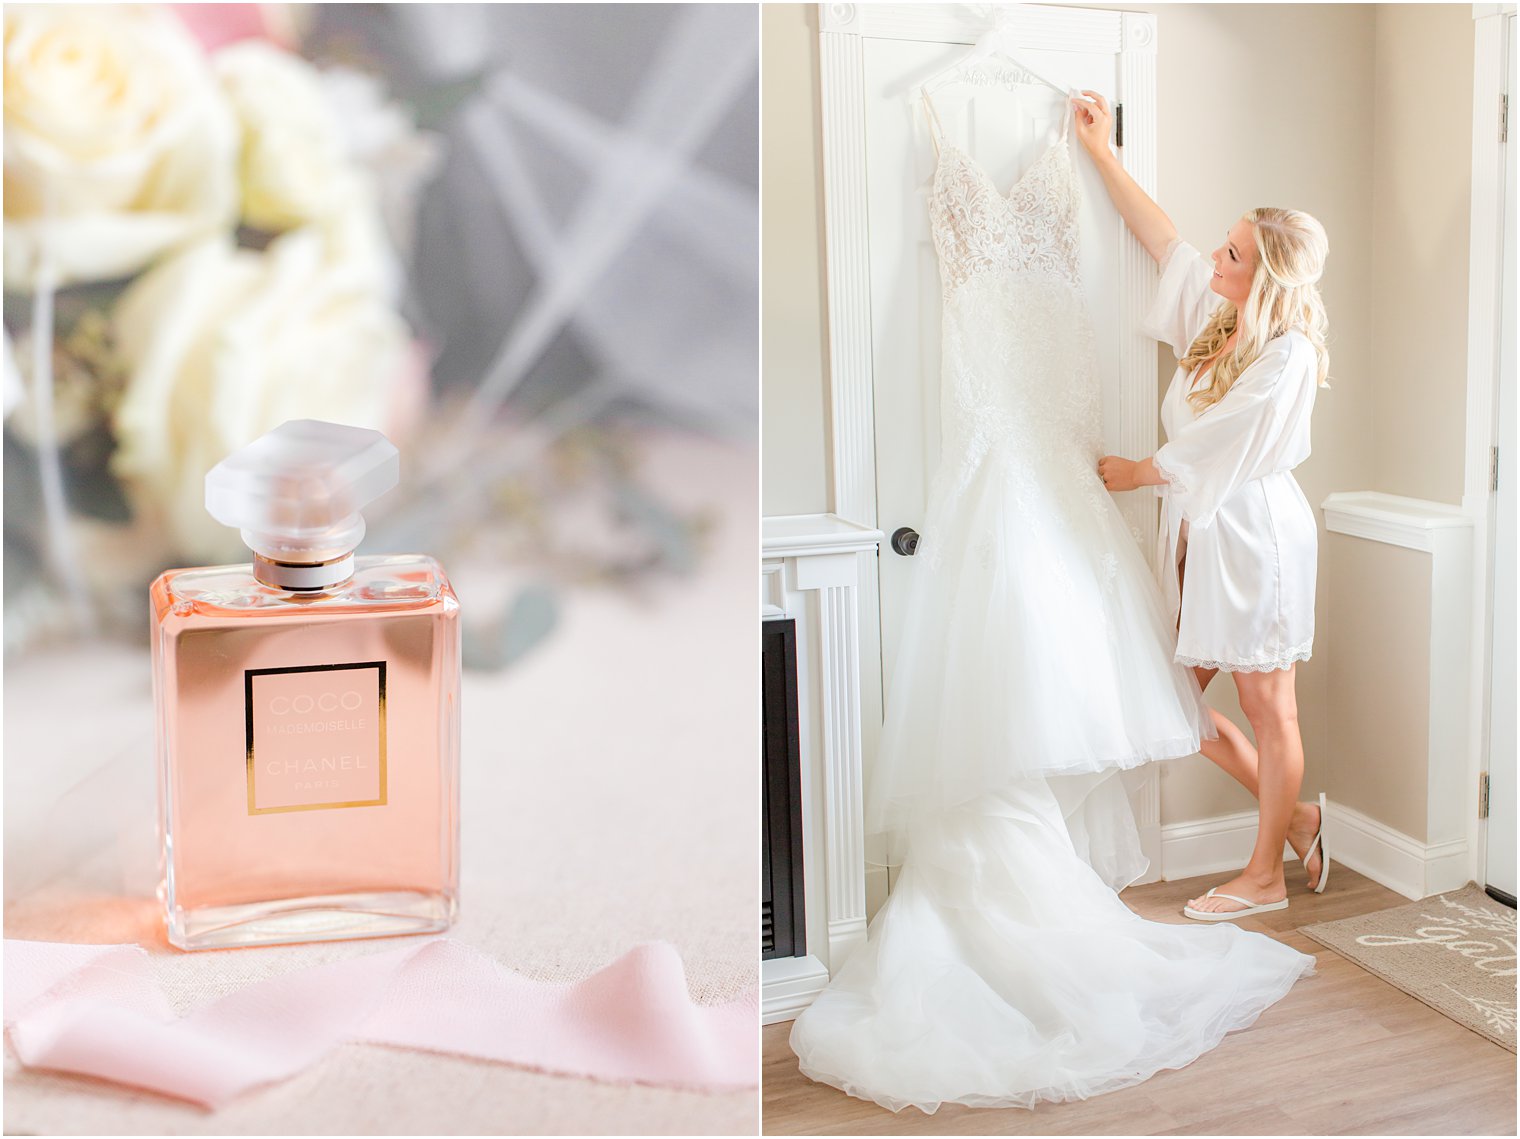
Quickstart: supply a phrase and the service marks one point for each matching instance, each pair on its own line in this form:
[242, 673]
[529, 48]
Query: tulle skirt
[1034, 668]
[1034, 643]
[1003, 970]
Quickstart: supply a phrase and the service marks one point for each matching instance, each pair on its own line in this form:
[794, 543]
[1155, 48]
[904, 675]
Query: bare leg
[1267, 698]
[1234, 754]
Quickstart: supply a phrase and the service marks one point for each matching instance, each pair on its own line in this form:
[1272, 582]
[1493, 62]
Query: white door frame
[1490, 70]
[843, 29]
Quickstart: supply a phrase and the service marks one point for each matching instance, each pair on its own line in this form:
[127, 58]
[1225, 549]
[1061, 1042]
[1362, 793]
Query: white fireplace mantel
[812, 566]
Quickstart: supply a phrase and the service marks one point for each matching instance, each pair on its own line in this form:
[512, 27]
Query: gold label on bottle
[316, 737]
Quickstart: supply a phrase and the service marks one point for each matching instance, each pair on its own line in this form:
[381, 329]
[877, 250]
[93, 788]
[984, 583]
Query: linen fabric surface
[608, 799]
[1230, 504]
[1035, 664]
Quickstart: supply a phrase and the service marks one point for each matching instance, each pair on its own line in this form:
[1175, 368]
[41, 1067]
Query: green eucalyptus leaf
[532, 617]
[435, 106]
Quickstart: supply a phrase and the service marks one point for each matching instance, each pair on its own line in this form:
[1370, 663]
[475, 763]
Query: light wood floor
[1342, 1054]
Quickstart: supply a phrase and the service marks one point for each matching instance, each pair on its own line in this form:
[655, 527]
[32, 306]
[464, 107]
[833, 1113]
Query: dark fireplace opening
[782, 929]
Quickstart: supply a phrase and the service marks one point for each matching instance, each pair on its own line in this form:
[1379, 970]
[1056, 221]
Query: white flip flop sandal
[1324, 858]
[1226, 915]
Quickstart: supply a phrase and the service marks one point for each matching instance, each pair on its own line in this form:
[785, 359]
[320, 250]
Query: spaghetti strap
[935, 130]
[1071, 92]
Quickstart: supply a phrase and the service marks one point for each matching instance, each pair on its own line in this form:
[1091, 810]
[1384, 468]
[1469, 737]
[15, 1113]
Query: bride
[1250, 332]
[1035, 664]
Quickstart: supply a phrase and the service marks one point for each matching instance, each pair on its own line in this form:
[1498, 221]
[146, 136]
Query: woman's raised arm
[1146, 220]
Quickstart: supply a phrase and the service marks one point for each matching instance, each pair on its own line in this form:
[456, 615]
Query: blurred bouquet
[196, 224]
[207, 234]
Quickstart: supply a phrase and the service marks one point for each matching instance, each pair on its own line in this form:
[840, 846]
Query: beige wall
[1257, 105]
[1380, 673]
[793, 337]
[1421, 206]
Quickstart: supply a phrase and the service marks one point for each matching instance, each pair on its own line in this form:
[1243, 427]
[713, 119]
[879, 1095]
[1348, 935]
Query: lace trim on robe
[1272, 664]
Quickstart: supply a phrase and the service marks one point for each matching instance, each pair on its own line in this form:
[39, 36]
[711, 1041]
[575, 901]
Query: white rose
[118, 143]
[222, 344]
[382, 139]
[294, 166]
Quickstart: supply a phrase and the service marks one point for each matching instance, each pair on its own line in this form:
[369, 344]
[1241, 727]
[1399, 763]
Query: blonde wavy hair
[1290, 258]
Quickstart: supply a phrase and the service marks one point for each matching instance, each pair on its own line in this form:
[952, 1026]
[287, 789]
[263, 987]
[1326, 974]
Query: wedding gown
[1035, 663]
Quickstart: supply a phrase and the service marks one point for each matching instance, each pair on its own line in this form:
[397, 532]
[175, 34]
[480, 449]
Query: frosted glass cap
[296, 492]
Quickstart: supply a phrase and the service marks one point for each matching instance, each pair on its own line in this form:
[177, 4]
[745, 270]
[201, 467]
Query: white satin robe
[1230, 502]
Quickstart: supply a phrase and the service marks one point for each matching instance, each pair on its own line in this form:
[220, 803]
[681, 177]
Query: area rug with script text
[1454, 951]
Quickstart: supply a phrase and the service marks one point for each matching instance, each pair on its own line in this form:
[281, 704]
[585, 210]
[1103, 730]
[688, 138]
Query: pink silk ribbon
[96, 1010]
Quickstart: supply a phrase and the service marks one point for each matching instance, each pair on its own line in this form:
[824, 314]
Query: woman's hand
[1146, 220]
[1095, 123]
[1119, 474]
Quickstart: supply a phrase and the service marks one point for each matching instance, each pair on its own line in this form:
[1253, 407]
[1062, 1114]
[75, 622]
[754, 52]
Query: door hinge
[1118, 124]
[1503, 118]
[1493, 468]
[1483, 795]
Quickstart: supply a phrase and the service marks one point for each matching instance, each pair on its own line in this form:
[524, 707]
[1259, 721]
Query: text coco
[302, 705]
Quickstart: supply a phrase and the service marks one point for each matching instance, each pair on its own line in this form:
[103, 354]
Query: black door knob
[905, 540]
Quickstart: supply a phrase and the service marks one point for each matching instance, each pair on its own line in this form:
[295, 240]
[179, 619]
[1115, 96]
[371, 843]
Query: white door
[1499, 867]
[1004, 130]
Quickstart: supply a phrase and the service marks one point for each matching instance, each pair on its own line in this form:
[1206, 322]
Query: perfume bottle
[308, 711]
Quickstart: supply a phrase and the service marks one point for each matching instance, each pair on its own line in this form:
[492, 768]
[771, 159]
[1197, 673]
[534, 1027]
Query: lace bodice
[979, 230]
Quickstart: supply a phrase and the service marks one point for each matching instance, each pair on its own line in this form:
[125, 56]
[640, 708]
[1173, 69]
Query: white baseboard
[788, 985]
[1208, 846]
[1413, 868]
[1390, 858]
